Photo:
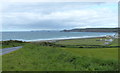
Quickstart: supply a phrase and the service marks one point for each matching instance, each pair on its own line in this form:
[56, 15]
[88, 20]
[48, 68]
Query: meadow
[62, 55]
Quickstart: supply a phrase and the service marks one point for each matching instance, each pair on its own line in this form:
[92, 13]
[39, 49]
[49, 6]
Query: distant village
[109, 39]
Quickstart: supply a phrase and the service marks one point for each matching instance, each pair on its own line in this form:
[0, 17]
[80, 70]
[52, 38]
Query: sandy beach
[55, 40]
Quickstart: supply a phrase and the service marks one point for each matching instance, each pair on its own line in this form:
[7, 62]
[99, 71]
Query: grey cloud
[58, 15]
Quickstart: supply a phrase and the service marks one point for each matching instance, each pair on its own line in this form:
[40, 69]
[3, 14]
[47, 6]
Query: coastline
[51, 36]
[54, 40]
[60, 39]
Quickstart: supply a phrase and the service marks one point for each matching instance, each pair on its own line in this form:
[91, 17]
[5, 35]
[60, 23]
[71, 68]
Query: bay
[50, 35]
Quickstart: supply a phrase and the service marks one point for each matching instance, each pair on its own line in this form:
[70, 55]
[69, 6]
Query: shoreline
[54, 40]
[59, 39]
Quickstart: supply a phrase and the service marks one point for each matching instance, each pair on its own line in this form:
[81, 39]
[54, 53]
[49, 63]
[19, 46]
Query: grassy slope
[36, 57]
[106, 53]
[46, 58]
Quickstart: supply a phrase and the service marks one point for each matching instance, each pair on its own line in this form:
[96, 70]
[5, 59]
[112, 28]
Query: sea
[50, 35]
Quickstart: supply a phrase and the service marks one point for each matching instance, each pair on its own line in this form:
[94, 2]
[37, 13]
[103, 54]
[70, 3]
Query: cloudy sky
[19, 16]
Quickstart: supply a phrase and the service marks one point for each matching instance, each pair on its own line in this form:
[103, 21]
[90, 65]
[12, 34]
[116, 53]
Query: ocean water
[52, 35]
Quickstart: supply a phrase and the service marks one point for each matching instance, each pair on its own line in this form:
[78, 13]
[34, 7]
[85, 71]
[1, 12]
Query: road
[8, 50]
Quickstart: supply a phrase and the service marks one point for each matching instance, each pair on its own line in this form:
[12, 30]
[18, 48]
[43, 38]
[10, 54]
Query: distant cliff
[93, 30]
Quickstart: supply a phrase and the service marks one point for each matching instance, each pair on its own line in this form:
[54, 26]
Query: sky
[24, 16]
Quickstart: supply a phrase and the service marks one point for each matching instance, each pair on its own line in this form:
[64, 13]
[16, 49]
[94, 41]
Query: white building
[109, 40]
[106, 43]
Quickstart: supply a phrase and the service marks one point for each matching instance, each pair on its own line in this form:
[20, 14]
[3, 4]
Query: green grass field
[106, 53]
[102, 53]
[86, 41]
[53, 57]
[89, 41]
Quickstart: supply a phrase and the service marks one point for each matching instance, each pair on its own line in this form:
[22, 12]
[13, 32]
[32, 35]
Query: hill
[93, 30]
